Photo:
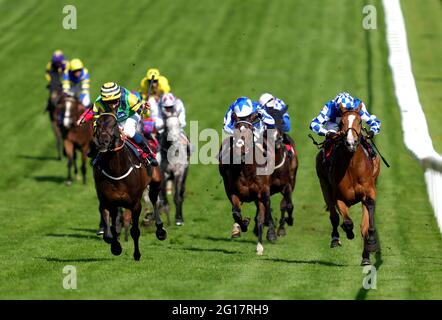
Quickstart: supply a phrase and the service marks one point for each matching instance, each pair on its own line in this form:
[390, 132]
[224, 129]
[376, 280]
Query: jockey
[278, 110]
[76, 82]
[170, 105]
[159, 87]
[56, 66]
[327, 122]
[244, 107]
[127, 107]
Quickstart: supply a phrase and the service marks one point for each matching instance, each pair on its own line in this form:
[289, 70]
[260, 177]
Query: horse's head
[350, 127]
[55, 89]
[243, 136]
[107, 134]
[69, 106]
[173, 129]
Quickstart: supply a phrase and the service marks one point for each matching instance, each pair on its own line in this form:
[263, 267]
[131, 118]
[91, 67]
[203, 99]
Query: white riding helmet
[243, 107]
[168, 100]
[266, 99]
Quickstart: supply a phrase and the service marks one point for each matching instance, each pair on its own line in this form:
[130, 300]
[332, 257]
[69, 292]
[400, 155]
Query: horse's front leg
[368, 230]
[105, 219]
[135, 230]
[69, 148]
[58, 140]
[180, 188]
[260, 225]
[115, 244]
[268, 220]
[347, 224]
[240, 223]
[154, 190]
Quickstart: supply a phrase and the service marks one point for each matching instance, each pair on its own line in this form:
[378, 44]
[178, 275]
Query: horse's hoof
[236, 231]
[366, 262]
[281, 232]
[68, 183]
[245, 224]
[335, 243]
[271, 236]
[289, 221]
[137, 256]
[350, 234]
[116, 248]
[259, 249]
[161, 234]
[179, 222]
[100, 231]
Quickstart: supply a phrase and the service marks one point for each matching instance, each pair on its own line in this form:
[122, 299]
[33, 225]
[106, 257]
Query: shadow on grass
[196, 249]
[50, 259]
[54, 179]
[222, 239]
[38, 158]
[314, 262]
[74, 235]
[84, 230]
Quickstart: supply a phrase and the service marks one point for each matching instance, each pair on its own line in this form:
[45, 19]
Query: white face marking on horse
[67, 114]
[351, 119]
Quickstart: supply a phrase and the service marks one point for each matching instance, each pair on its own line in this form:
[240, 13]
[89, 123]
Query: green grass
[424, 30]
[212, 52]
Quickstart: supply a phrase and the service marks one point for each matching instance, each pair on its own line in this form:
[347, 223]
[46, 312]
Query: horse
[242, 183]
[283, 180]
[74, 137]
[55, 94]
[174, 164]
[120, 180]
[349, 179]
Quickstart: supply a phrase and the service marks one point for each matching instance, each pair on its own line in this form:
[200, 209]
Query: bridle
[114, 137]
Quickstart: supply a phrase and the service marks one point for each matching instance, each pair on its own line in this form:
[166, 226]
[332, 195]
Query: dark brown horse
[240, 162]
[55, 95]
[348, 180]
[75, 137]
[283, 180]
[120, 179]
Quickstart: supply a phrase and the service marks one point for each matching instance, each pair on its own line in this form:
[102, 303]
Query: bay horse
[120, 179]
[174, 164]
[350, 179]
[238, 166]
[55, 95]
[283, 180]
[74, 137]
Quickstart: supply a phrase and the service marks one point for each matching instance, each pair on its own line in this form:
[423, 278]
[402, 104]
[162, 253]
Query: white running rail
[414, 125]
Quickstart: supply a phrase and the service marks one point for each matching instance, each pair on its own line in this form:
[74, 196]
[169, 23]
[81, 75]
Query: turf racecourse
[304, 52]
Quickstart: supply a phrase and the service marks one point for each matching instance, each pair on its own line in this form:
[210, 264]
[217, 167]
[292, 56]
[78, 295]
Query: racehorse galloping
[242, 182]
[55, 95]
[283, 180]
[75, 137]
[350, 179]
[174, 164]
[120, 179]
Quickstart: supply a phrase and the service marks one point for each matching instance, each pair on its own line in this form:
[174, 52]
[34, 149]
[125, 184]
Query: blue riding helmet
[346, 99]
[243, 107]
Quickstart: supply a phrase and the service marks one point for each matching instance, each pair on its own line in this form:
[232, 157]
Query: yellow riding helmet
[76, 64]
[152, 72]
[110, 91]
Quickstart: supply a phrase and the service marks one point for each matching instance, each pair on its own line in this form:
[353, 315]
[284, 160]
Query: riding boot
[143, 144]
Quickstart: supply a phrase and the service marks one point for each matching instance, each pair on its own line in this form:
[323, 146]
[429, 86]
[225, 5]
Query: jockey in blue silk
[279, 111]
[328, 120]
[76, 82]
[244, 107]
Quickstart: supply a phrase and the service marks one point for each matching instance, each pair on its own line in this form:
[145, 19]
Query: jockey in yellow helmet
[76, 82]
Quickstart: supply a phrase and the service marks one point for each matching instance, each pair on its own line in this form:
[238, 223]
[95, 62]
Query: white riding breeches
[129, 126]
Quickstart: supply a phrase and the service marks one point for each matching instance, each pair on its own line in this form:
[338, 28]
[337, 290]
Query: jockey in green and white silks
[127, 108]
